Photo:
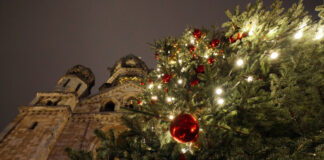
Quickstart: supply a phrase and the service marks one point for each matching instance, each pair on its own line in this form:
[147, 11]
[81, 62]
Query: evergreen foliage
[273, 102]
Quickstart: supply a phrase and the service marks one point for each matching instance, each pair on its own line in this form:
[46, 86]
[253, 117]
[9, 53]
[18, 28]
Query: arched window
[65, 84]
[32, 127]
[109, 107]
[49, 103]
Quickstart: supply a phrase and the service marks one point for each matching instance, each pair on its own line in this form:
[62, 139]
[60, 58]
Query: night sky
[40, 40]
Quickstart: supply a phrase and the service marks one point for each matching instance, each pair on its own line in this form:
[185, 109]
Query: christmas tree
[253, 89]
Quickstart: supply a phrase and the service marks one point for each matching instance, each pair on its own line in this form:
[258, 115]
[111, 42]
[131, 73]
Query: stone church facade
[68, 115]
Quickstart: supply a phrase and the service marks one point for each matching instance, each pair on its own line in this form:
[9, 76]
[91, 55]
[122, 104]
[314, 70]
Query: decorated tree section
[252, 90]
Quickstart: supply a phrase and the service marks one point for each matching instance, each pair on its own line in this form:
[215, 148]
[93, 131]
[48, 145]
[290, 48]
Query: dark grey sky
[40, 40]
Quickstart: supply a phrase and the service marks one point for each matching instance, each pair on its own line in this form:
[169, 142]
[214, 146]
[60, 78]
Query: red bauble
[194, 56]
[184, 128]
[150, 80]
[142, 83]
[197, 33]
[156, 56]
[214, 43]
[232, 39]
[192, 48]
[165, 90]
[211, 60]
[194, 82]
[200, 69]
[182, 157]
[139, 102]
[166, 78]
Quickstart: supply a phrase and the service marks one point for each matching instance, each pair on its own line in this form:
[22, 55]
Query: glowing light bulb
[169, 99]
[158, 69]
[180, 81]
[299, 35]
[220, 101]
[219, 91]
[159, 76]
[150, 86]
[249, 79]
[172, 98]
[159, 86]
[183, 150]
[183, 69]
[171, 117]
[154, 98]
[192, 41]
[274, 55]
[206, 56]
[180, 61]
[319, 34]
[239, 62]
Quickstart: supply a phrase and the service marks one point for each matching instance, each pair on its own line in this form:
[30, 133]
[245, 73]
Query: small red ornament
[232, 39]
[142, 83]
[197, 33]
[139, 102]
[165, 90]
[192, 48]
[150, 80]
[156, 56]
[152, 102]
[182, 157]
[194, 56]
[200, 69]
[184, 128]
[214, 43]
[194, 82]
[166, 78]
[211, 60]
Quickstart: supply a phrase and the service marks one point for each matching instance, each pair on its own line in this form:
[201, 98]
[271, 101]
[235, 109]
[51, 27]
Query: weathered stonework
[68, 116]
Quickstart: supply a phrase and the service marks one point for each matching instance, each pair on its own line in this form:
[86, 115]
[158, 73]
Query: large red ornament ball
[197, 33]
[184, 128]
[194, 82]
[214, 43]
[192, 48]
[200, 69]
[166, 78]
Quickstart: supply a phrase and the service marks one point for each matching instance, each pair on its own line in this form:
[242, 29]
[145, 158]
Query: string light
[192, 41]
[183, 150]
[219, 91]
[206, 56]
[183, 69]
[159, 86]
[180, 81]
[180, 61]
[158, 69]
[154, 98]
[150, 86]
[169, 99]
[249, 79]
[171, 117]
[274, 55]
[220, 101]
[319, 34]
[299, 34]
[239, 62]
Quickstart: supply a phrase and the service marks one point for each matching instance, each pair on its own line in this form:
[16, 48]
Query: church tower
[68, 115]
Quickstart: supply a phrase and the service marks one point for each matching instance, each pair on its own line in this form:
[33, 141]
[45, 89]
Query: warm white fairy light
[183, 150]
[220, 101]
[206, 56]
[180, 61]
[159, 75]
[239, 62]
[186, 44]
[249, 79]
[171, 117]
[168, 99]
[219, 91]
[299, 34]
[172, 98]
[158, 69]
[272, 31]
[192, 41]
[159, 86]
[319, 34]
[150, 86]
[183, 69]
[274, 55]
[180, 81]
[154, 98]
